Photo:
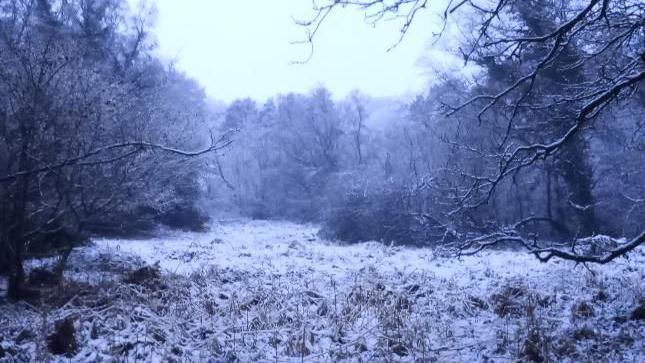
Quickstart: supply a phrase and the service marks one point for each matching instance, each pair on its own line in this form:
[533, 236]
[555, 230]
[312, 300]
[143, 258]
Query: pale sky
[242, 48]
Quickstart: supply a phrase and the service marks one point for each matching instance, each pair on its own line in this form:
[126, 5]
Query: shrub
[384, 216]
[185, 218]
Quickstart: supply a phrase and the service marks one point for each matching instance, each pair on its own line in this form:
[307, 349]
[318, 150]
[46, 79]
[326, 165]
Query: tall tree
[571, 61]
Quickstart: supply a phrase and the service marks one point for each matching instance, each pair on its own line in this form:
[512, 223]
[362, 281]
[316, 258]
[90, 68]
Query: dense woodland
[542, 147]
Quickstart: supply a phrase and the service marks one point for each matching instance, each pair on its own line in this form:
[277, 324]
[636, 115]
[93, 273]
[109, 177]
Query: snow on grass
[274, 291]
[280, 247]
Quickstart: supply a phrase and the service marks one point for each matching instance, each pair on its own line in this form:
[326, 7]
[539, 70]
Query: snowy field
[273, 291]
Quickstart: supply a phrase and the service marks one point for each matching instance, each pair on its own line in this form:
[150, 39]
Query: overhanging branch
[134, 147]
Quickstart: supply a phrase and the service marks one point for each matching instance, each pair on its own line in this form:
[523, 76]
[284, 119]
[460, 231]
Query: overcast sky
[243, 48]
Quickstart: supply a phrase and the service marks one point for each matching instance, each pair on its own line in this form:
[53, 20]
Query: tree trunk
[15, 289]
[16, 235]
[578, 176]
[549, 208]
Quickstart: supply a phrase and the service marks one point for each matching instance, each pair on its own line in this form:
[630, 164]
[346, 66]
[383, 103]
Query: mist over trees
[543, 149]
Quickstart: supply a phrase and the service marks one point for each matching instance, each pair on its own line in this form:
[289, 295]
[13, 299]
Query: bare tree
[80, 136]
[356, 116]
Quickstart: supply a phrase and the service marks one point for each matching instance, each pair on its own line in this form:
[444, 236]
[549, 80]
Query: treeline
[95, 132]
[553, 151]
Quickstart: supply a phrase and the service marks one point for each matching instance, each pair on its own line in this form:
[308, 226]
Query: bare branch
[134, 148]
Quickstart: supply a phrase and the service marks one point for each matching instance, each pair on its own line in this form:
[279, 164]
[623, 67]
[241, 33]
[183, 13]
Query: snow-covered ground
[286, 248]
[274, 291]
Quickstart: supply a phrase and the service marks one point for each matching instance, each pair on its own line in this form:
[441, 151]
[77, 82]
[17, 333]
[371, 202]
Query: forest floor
[274, 291]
